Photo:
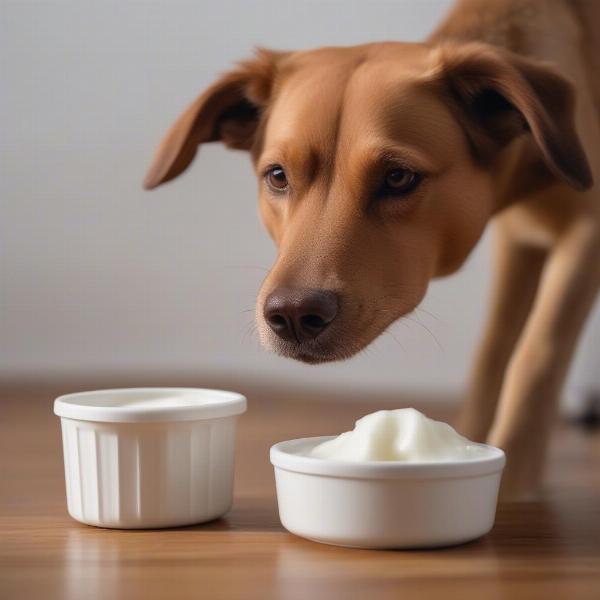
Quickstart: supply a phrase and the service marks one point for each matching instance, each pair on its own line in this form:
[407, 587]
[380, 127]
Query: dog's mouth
[314, 351]
[336, 343]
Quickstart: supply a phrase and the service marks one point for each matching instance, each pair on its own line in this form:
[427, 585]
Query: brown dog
[379, 167]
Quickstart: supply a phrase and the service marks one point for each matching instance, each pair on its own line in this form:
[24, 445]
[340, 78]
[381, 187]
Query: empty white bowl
[385, 504]
[149, 457]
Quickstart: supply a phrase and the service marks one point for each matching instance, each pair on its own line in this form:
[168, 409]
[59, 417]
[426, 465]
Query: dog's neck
[498, 22]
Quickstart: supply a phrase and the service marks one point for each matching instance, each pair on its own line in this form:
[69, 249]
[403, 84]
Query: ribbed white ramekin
[149, 457]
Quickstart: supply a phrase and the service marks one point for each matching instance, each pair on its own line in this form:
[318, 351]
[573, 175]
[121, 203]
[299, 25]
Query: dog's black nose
[298, 315]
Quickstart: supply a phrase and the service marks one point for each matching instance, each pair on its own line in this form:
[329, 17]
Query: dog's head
[377, 171]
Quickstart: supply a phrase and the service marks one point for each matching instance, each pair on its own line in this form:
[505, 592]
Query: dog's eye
[399, 182]
[276, 178]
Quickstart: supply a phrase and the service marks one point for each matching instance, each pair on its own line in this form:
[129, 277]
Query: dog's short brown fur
[498, 114]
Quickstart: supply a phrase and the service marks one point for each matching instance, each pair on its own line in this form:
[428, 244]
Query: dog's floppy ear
[498, 95]
[228, 111]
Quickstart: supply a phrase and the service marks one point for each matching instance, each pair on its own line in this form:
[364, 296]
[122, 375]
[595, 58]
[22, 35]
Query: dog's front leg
[537, 370]
[517, 268]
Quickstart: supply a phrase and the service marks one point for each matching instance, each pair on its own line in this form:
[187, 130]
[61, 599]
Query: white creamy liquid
[403, 435]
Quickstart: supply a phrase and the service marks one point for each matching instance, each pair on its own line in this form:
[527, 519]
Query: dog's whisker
[246, 335]
[390, 333]
[416, 321]
[250, 332]
[427, 312]
[426, 327]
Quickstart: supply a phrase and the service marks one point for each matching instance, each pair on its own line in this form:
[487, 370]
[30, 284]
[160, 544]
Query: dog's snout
[298, 315]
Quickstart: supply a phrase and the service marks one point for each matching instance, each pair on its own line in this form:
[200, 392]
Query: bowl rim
[286, 455]
[210, 404]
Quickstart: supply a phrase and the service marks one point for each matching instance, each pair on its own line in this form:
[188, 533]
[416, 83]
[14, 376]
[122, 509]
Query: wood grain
[545, 549]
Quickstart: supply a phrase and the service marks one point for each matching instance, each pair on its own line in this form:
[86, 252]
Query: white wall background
[97, 276]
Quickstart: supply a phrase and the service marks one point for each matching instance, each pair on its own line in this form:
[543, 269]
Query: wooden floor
[548, 549]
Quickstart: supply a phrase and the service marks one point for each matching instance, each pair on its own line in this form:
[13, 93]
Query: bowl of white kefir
[398, 480]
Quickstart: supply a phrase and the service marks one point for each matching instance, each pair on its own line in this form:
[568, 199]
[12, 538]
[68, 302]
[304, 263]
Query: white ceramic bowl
[385, 504]
[149, 457]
